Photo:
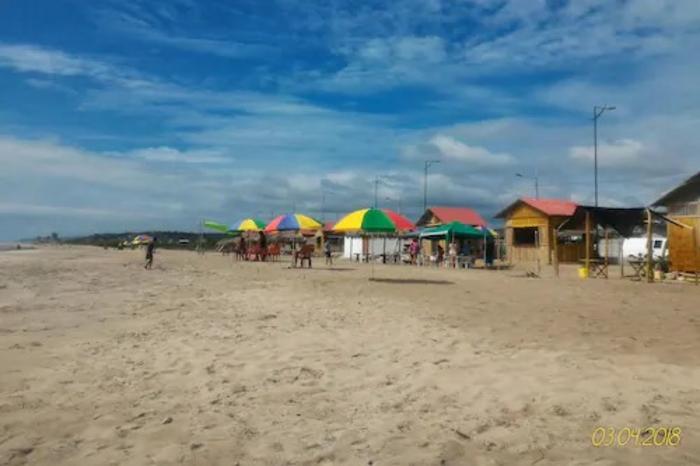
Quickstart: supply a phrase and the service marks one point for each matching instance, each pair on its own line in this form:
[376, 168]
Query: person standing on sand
[243, 249]
[327, 251]
[453, 254]
[262, 244]
[440, 255]
[150, 250]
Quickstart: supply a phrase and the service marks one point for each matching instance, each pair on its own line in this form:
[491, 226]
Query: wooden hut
[439, 216]
[530, 226]
[683, 205]
[435, 216]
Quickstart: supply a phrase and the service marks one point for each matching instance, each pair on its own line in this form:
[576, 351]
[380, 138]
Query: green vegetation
[166, 239]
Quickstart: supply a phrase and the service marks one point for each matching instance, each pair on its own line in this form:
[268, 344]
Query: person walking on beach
[327, 251]
[453, 254]
[440, 255]
[262, 245]
[150, 250]
[243, 249]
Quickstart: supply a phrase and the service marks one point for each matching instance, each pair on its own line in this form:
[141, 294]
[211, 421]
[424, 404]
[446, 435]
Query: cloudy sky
[138, 115]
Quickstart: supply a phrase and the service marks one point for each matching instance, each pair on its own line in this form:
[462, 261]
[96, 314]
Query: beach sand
[206, 361]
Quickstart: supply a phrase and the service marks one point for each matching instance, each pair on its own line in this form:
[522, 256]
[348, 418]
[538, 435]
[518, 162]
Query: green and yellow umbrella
[249, 224]
[373, 221]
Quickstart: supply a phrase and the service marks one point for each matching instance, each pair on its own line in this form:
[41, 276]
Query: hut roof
[687, 191]
[549, 207]
[453, 214]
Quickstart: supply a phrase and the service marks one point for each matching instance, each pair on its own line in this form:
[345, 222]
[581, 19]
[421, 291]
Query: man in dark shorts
[150, 249]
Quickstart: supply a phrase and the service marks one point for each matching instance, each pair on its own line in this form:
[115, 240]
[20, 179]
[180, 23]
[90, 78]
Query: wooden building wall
[684, 244]
[525, 216]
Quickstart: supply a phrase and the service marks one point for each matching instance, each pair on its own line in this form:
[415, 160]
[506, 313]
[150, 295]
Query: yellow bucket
[582, 272]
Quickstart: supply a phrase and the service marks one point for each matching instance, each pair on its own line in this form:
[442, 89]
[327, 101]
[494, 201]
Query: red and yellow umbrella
[373, 221]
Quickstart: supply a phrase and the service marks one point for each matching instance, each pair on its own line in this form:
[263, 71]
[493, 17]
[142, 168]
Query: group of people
[243, 249]
[454, 251]
[300, 249]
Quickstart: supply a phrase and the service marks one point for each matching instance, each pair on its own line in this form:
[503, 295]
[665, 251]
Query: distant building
[683, 205]
[434, 216]
[530, 225]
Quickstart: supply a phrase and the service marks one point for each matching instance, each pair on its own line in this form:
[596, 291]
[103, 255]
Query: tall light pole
[377, 179]
[428, 163]
[398, 202]
[597, 112]
[537, 182]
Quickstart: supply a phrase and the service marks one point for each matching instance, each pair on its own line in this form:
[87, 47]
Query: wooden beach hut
[440, 216]
[683, 207]
[530, 225]
[436, 216]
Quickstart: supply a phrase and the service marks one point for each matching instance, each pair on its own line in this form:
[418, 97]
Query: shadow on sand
[323, 269]
[411, 281]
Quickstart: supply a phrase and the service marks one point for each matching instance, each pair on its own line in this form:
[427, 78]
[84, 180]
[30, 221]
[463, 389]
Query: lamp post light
[428, 163]
[398, 202]
[377, 179]
[597, 112]
[537, 183]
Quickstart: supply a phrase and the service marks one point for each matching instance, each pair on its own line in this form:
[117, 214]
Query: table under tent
[472, 244]
[603, 232]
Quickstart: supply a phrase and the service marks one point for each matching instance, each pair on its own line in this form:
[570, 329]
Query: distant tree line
[166, 239]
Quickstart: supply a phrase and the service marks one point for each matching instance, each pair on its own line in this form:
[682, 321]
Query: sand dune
[208, 361]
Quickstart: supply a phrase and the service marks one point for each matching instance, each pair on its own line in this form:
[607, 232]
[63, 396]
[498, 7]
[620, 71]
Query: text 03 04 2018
[663, 436]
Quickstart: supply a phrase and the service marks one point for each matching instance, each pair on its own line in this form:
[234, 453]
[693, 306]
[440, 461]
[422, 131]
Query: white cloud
[451, 148]
[169, 154]
[30, 58]
[625, 153]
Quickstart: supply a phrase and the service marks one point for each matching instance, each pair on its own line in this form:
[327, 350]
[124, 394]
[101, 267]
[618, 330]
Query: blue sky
[140, 115]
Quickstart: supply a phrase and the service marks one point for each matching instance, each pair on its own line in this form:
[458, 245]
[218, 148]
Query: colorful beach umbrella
[249, 224]
[373, 221]
[293, 222]
[142, 239]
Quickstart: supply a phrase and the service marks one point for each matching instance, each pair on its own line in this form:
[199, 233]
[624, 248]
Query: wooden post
[555, 243]
[650, 248]
[537, 248]
[606, 252]
[697, 262]
[622, 258]
[588, 241]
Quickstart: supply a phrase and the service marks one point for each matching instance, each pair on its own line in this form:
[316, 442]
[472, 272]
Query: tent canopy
[455, 230]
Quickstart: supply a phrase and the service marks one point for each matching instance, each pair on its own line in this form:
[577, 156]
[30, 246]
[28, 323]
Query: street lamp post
[536, 178]
[597, 112]
[428, 163]
[377, 180]
[398, 202]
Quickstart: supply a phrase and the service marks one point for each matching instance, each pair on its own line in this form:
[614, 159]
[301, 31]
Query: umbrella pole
[371, 255]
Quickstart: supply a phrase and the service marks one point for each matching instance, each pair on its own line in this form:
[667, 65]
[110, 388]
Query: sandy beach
[206, 361]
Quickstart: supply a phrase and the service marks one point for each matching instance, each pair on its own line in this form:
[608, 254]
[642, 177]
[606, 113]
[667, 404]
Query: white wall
[353, 245]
